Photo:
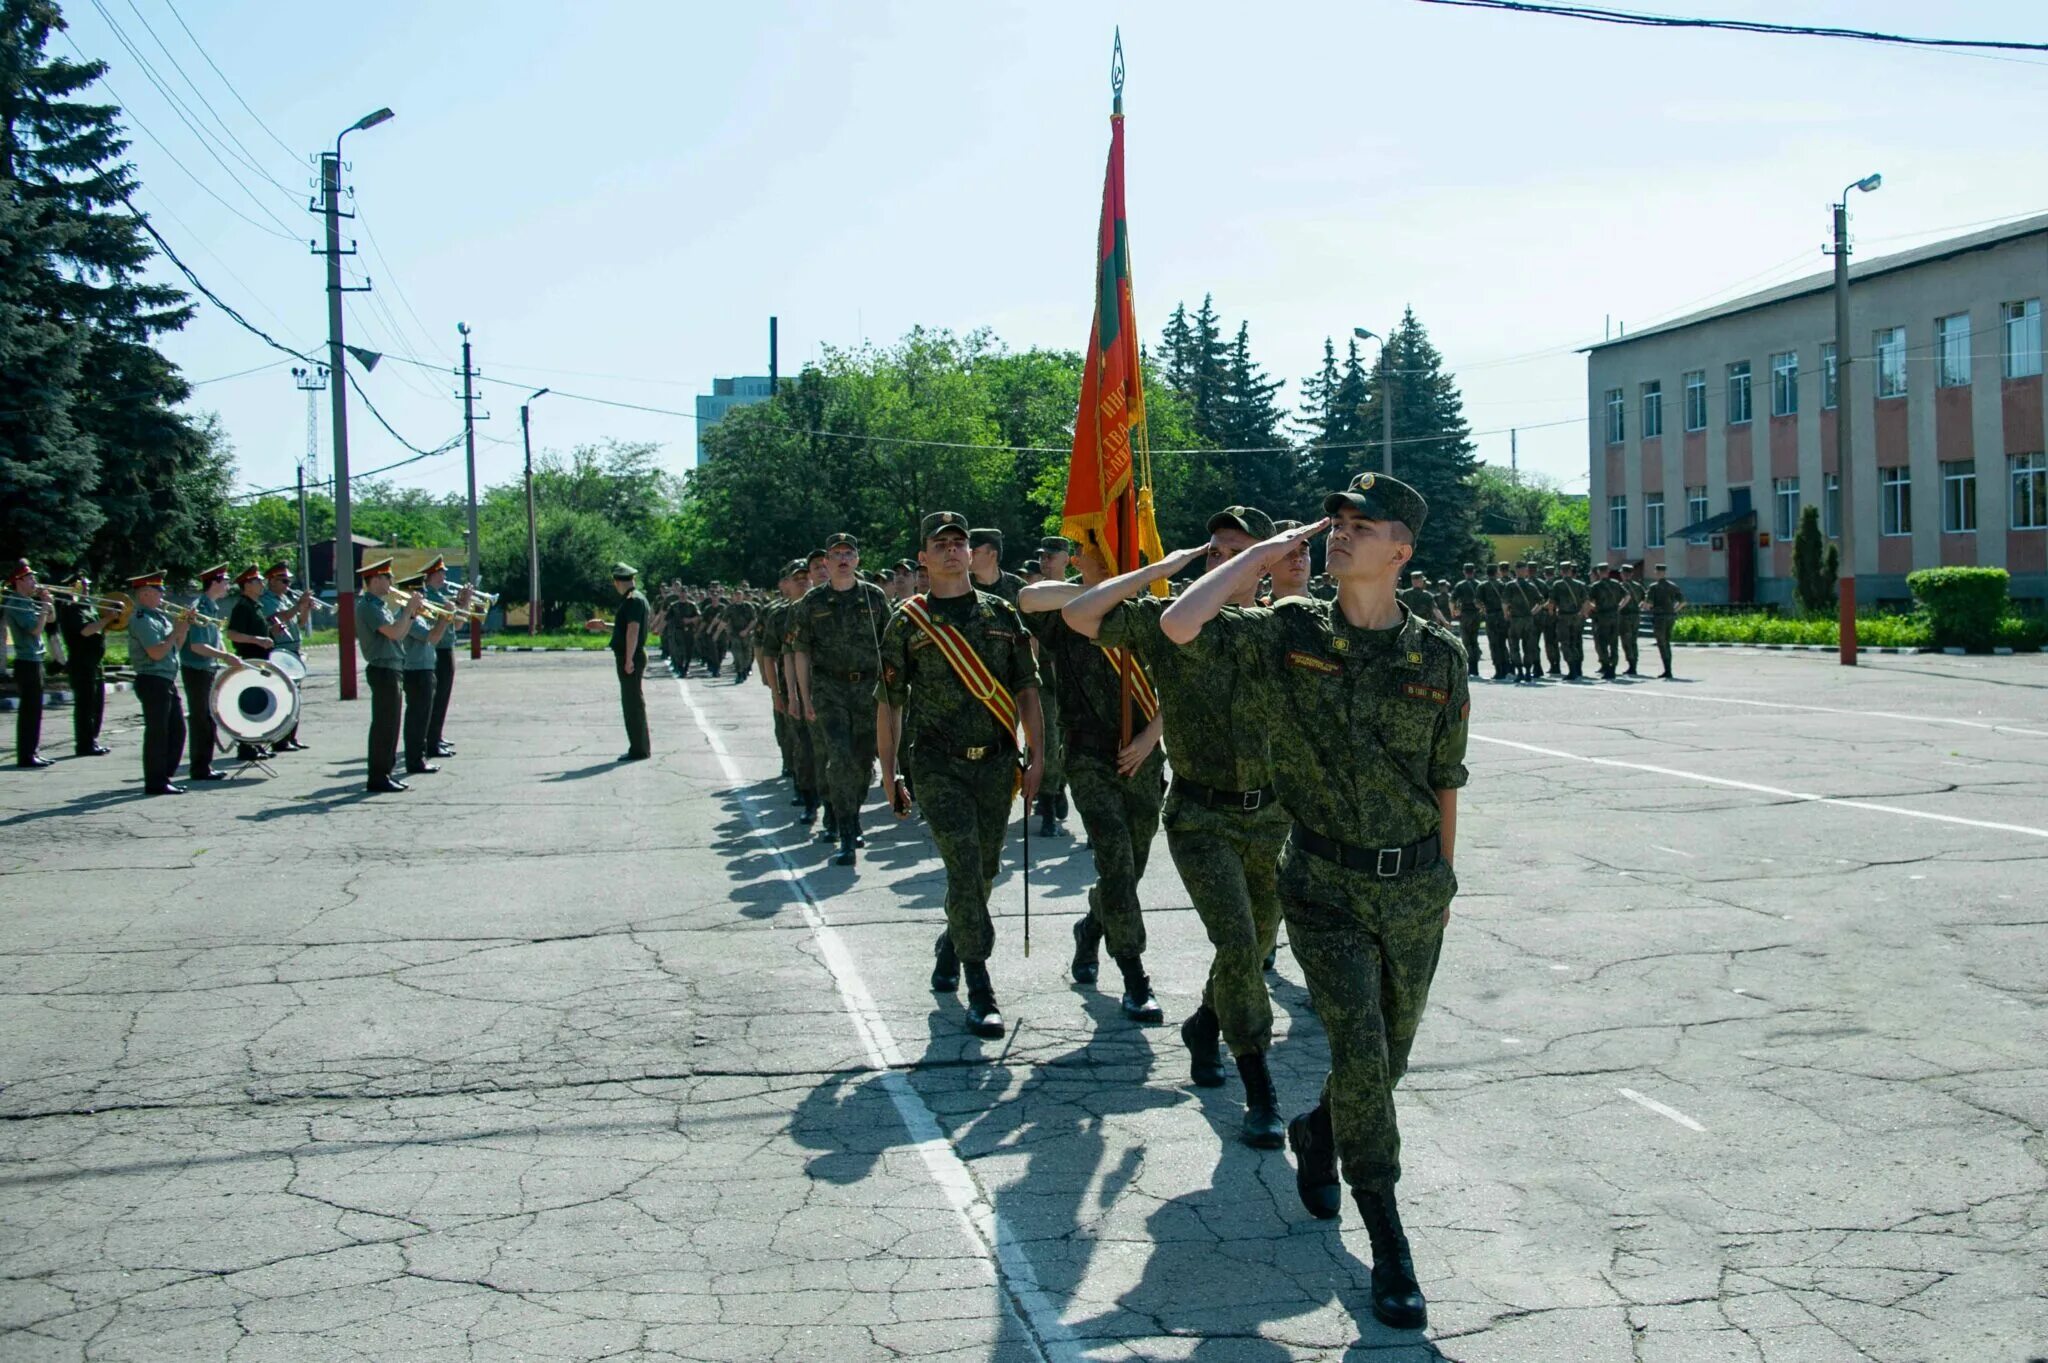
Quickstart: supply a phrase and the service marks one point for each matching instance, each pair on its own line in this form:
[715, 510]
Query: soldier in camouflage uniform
[1417, 597]
[1493, 605]
[1465, 598]
[804, 769]
[986, 545]
[1568, 605]
[1603, 602]
[1528, 627]
[1224, 826]
[736, 625]
[1666, 601]
[1631, 616]
[1546, 617]
[835, 639]
[1368, 709]
[1289, 577]
[1054, 552]
[966, 759]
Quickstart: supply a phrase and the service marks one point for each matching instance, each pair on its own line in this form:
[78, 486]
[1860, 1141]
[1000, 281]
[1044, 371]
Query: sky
[615, 197]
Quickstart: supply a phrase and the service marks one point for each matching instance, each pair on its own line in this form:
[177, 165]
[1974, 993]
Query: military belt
[980, 754]
[1384, 862]
[1246, 800]
[1107, 749]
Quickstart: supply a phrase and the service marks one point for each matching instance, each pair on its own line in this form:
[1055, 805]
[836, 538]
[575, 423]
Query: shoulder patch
[1297, 658]
[1417, 691]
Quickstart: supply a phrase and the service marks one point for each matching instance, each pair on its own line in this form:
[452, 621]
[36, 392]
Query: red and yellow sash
[1141, 685]
[981, 683]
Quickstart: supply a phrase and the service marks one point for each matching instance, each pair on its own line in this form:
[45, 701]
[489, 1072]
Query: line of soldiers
[703, 624]
[1531, 614]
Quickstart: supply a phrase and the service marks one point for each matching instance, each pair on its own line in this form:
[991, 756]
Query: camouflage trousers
[1055, 778]
[1368, 949]
[1547, 627]
[1631, 630]
[1122, 816]
[782, 743]
[710, 651]
[1661, 625]
[1607, 641]
[1497, 645]
[805, 768]
[1571, 643]
[846, 726]
[1468, 630]
[1524, 644]
[966, 806]
[1229, 860]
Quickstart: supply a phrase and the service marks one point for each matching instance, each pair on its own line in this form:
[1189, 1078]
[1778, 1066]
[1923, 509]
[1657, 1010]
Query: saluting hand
[1272, 551]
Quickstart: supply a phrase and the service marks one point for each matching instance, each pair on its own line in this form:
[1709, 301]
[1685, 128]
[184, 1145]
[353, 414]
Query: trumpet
[432, 608]
[293, 602]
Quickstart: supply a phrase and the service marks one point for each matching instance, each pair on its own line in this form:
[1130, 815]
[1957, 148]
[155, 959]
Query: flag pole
[1127, 525]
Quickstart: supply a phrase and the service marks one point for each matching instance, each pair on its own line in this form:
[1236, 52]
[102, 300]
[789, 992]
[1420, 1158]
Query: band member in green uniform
[289, 618]
[154, 637]
[957, 671]
[30, 611]
[381, 627]
[247, 632]
[416, 674]
[85, 647]
[629, 658]
[835, 639]
[201, 658]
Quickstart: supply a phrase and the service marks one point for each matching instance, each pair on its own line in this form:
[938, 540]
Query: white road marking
[1661, 1109]
[1777, 791]
[1641, 694]
[987, 1231]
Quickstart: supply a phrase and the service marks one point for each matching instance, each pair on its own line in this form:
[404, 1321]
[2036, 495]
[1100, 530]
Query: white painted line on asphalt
[1781, 793]
[989, 1233]
[1661, 1109]
[1641, 694]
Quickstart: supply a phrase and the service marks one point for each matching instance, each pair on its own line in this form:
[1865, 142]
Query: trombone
[116, 606]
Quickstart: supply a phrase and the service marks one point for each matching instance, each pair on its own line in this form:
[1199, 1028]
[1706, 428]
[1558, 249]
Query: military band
[84, 628]
[30, 609]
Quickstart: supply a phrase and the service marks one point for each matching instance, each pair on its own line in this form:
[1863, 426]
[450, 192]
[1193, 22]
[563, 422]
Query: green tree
[1333, 412]
[1250, 420]
[47, 466]
[1568, 531]
[1815, 564]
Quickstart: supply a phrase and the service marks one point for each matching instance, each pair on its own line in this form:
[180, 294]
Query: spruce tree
[1176, 350]
[1433, 450]
[1251, 420]
[1340, 443]
[47, 467]
[1206, 373]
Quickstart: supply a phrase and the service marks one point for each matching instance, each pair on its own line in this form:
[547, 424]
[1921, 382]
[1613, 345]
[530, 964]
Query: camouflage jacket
[739, 621]
[1418, 599]
[1491, 600]
[1215, 730]
[1465, 596]
[1568, 594]
[841, 631]
[1006, 585]
[1634, 604]
[1665, 598]
[1607, 595]
[1520, 598]
[941, 714]
[1086, 682]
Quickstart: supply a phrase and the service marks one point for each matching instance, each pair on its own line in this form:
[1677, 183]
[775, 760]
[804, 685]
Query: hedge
[1964, 605]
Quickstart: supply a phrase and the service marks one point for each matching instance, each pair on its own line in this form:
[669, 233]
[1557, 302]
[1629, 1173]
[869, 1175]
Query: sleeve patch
[1297, 658]
[1417, 691]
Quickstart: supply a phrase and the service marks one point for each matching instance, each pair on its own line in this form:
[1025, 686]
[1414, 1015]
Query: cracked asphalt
[1737, 1053]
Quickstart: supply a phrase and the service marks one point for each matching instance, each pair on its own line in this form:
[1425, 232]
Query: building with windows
[725, 395]
[1947, 465]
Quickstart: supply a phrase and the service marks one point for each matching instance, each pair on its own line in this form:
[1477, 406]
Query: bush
[1964, 605]
[1872, 631]
[2026, 633]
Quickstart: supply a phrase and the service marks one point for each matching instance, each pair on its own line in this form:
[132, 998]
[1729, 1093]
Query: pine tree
[1206, 373]
[1251, 420]
[1176, 350]
[47, 467]
[1340, 443]
[1433, 450]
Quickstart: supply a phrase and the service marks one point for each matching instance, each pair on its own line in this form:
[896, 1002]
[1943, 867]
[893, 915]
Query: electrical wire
[247, 157]
[1641, 19]
[200, 48]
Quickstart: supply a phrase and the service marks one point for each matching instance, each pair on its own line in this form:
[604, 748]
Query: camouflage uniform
[1006, 585]
[1418, 599]
[1631, 620]
[1546, 619]
[1607, 595]
[1492, 602]
[710, 647]
[1522, 598]
[1228, 856]
[1568, 599]
[740, 617]
[1465, 596]
[966, 765]
[841, 631]
[682, 622]
[1665, 598]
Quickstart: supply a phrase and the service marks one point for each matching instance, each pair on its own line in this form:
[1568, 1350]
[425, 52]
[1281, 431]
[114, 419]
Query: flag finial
[1116, 69]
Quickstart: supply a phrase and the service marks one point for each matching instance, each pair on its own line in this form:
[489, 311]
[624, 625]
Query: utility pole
[1844, 450]
[1386, 411]
[311, 382]
[774, 360]
[469, 420]
[532, 525]
[1514, 455]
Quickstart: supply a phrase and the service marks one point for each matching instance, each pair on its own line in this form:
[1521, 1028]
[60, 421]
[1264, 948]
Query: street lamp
[1386, 400]
[532, 531]
[344, 529]
[1844, 451]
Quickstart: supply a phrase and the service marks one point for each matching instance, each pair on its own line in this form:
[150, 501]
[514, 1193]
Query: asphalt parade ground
[1737, 1052]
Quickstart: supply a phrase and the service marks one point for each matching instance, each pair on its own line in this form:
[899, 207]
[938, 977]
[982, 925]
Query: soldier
[381, 627]
[1568, 605]
[435, 579]
[85, 646]
[288, 621]
[1223, 824]
[200, 657]
[1631, 616]
[247, 631]
[986, 568]
[629, 658]
[1033, 572]
[1289, 576]
[416, 649]
[1527, 602]
[835, 640]
[1666, 601]
[736, 624]
[1119, 785]
[29, 613]
[788, 585]
[1417, 597]
[1445, 607]
[1546, 616]
[154, 637]
[1054, 554]
[681, 620]
[1493, 605]
[1603, 603]
[1465, 606]
[966, 751]
[1368, 728]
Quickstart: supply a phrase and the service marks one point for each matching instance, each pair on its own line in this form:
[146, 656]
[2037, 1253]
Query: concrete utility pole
[469, 420]
[532, 524]
[1386, 400]
[1844, 449]
[774, 360]
[311, 382]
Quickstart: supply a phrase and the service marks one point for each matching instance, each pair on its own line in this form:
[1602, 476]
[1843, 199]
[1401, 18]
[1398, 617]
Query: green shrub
[1872, 631]
[2027, 633]
[1965, 605]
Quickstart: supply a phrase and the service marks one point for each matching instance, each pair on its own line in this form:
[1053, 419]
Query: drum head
[254, 706]
[290, 664]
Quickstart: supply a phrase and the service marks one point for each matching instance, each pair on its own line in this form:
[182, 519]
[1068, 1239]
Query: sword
[1024, 761]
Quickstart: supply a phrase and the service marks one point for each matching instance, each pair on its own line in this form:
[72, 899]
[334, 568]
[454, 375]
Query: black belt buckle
[1388, 863]
[1251, 800]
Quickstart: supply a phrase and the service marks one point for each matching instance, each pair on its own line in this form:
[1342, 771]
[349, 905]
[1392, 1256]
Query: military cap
[249, 574]
[985, 534]
[1470, 568]
[1505, 566]
[939, 521]
[412, 580]
[1279, 526]
[217, 573]
[278, 569]
[439, 564]
[1378, 497]
[835, 540]
[19, 571]
[1056, 544]
[813, 556]
[624, 570]
[368, 570]
[906, 565]
[1444, 582]
[153, 578]
[1031, 565]
[1249, 519]
[887, 575]
[1418, 573]
[1628, 567]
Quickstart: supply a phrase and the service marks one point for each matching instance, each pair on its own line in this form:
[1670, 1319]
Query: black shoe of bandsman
[1203, 1035]
[1087, 963]
[1397, 1299]
[984, 1019]
[166, 789]
[1315, 1164]
[1263, 1129]
[386, 787]
[945, 966]
[1139, 1005]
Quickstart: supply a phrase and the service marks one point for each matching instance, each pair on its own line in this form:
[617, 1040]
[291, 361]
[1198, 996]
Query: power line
[288, 150]
[247, 157]
[1640, 19]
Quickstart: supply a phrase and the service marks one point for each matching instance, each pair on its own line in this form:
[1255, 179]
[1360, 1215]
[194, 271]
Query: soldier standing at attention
[29, 613]
[435, 579]
[381, 627]
[1119, 786]
[1223, 825]
[1417, 597]
[1289, 577]
[1528, 633]
[416, 651]
[1603, 601]
[835, 640]
[986, 567]
[629, 657]
[1666, 601]
[1546, 616]
[1465, 603]
[198, 660]
[1568, 604]
[1054, 554]
[1444, 605]
[154, 638]
[1631, 616]
[1493, 605]
[957, 671]
[790, 586]
[85, 647]
[288, 620]
[1368, 727]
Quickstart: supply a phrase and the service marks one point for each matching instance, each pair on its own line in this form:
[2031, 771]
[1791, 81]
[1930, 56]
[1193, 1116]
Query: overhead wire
[247, 157]
[201, 49]
[1643, 19]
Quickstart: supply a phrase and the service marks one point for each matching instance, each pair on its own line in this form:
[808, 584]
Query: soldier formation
[1534, 618]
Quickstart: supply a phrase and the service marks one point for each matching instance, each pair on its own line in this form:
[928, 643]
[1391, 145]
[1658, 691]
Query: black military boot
[1315, 1164]
[984, 1019]
[1263, 1129]
[1204, 1037]
[860, 838]
[945, 966]
[1396, 1298]
[1046, 827]
[1273, 958]
[847, 855]
[828, 830]
[1087, 964]
[1139, 1005]
[810, 803]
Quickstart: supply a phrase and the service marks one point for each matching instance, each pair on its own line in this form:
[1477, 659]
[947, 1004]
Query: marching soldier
[1493, 605]
[288, 622]
[1603, 602]
[85, 648]
[736, 623]
[986, 568]
[416, 650]
[155, 636]
[629, 657]
[247, 632]
[29, 613]
[957, 671]
[1223, 825]
[775, 668]
[1666, 601]
[1631, 616]
[681, 621]
[381, 627]
[710, 642]
[1289, 576]
[835, 639]
[1368, 710]
[199, 660]
[1465, 605]
[1568, 604]
[1055, 552]
[434, 579]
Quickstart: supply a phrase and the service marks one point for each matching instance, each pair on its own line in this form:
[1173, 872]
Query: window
[1785, 384]
[1696, 510]
[1831, 505]
[1696, 400]
[1952, 349]
[1738, 392]
[1614, 417]
[1895, 501]
[1828, 390]
[1617, 522]
[1653, 410]
[2029, 491]
[1653, 520]
[1785, 507]
[1959, 496]
[1890, 346]
[2022, 338]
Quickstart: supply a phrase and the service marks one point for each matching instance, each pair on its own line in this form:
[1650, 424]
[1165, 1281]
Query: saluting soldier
[986, 546]
[416, 651]
[629, 658]
[1368, 712]
[1119, 786]
[29, 613]
[957, 671]
[835, 640]
[85, 648]
[1289, 577]
[1493, 606]
[247, 632]
[199, 660]
[1223, 825]
[381, 627]
[434, 580]
[1465, 606]
[1603, 602]
[155, 636]
[1666, 601]
[288, 619]
[1631, 616]
[1568, 604]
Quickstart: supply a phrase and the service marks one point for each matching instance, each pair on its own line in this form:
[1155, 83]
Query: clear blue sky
[616, 196]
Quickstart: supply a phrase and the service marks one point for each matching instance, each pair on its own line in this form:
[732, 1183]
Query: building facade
[1709, 434]
[725, 395]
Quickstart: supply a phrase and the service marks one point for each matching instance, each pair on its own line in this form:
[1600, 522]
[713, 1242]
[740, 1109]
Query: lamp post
[344, 531]
[1386, 400]
[1844, 450]
[532, 529]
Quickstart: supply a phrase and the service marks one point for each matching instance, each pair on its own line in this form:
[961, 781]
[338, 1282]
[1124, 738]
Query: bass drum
[254, 705]
[291, 665]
